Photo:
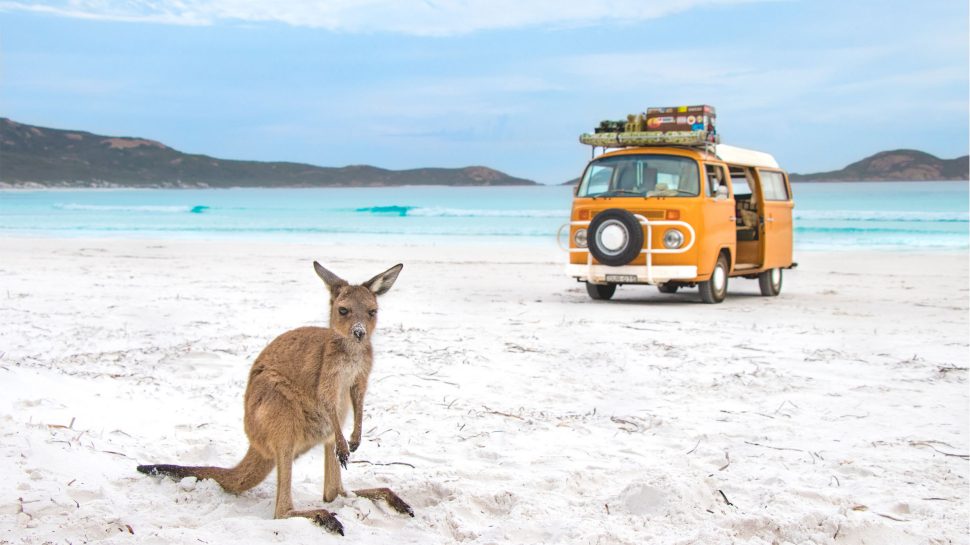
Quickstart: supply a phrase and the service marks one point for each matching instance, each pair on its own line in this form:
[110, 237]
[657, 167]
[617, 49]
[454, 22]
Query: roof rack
[691, 126]
[701, 139]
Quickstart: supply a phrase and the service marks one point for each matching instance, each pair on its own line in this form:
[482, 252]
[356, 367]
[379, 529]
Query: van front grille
[650, 214]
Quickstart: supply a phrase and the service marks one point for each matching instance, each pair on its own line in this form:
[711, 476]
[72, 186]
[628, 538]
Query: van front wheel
[600, 291]
[668, 287]
[770, 282]
[714, 289]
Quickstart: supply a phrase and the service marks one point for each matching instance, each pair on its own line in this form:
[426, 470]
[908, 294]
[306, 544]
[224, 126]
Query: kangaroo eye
[343, 311]
[372, 312]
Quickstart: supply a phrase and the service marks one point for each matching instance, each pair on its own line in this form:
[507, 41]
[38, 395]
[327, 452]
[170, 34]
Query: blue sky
[502, 83]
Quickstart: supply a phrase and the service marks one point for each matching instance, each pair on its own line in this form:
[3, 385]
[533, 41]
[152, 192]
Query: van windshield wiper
[615, 192]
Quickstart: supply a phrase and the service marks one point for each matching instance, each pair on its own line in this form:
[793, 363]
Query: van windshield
[641, 176]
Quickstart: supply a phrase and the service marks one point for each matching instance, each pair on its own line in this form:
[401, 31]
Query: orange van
[681, 216]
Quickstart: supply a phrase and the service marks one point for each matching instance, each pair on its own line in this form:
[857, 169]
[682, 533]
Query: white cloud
[745, 79]
[416, 17]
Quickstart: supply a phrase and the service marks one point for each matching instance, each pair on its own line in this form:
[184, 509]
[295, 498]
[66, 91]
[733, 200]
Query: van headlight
[580, 238]
[673, 239]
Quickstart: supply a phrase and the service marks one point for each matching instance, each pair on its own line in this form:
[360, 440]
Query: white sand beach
[505, 406]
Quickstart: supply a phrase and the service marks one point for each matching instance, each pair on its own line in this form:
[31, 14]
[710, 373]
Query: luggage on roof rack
[678, 126]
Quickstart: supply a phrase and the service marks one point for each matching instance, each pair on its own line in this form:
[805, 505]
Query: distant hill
[38, 156]
[895, 165]
[888, 166]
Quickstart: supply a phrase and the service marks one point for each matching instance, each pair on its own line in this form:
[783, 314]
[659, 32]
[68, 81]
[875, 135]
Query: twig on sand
[368, 462]
[890, 517]
[62, 426]
[930, 444]
[415, 375]
[640, 328]
[811, 455]
[512, 347]
[482, 434]
[774, 448]
[728, 458]
[749, 412]
[437, 380]
[783, 403]
[626, 425]
[500, 413]
[727, 501]
[691, 451]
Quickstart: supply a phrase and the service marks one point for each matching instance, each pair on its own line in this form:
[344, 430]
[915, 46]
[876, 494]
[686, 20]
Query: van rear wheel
[714, 289]
[770, 282]
[600, 292]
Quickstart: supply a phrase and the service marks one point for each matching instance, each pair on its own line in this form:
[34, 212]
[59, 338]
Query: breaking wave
[438, 212]
[163, 209]
[883, 215]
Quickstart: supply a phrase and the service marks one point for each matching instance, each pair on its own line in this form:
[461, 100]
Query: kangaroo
[301, 387]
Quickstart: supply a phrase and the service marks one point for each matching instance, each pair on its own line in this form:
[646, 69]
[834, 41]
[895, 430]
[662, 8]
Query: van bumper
[598, 274]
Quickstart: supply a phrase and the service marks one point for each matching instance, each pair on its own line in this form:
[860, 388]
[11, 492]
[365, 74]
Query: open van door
[776, 203]
[719, 217]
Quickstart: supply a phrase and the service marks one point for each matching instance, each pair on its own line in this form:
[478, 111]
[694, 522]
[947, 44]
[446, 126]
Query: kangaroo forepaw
[342, 457]
[354, 445]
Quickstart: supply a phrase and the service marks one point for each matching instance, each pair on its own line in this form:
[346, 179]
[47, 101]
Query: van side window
[739, 181]
[773, 185]
[715, 177]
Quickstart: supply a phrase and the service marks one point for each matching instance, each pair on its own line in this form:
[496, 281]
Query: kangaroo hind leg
[332, 485]
[385, 494]
[284, 497]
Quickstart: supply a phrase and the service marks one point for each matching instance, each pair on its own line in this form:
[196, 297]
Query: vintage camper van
[679, 215]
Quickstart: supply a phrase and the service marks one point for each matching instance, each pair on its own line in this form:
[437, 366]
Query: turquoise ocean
[829, 216]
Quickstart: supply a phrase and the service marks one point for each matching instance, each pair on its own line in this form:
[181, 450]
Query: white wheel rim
[612, 237]
[719, 277]
[775, 277]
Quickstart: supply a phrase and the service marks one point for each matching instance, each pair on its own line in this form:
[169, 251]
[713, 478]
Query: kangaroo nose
[358, 331]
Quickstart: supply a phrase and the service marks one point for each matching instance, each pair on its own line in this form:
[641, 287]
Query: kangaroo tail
[248, 473]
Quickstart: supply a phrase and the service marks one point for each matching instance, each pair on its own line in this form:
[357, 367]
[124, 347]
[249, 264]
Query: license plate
[621, 278]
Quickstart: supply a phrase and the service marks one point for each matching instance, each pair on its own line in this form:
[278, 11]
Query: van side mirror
[721, 193]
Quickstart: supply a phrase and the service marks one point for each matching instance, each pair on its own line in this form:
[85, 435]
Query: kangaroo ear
[333, 281]
[383, 282]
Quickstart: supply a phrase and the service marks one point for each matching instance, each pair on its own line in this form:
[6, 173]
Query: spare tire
[615, 237]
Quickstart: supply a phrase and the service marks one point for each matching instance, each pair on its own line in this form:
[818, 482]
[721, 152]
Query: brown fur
[301, 388]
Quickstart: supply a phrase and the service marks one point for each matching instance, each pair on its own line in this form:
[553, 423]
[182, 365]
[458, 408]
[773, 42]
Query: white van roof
[744, 157]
